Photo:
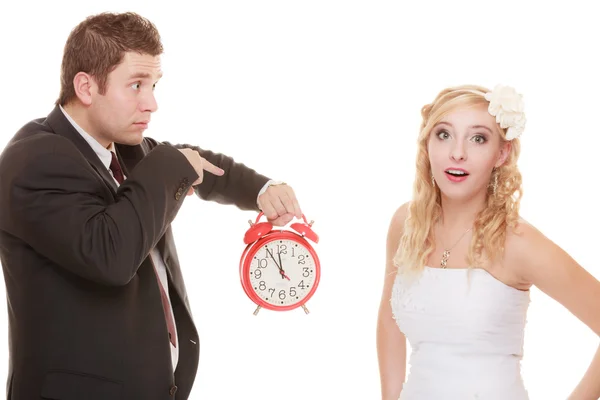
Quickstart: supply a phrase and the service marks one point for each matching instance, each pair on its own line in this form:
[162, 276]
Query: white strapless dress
[466, 336]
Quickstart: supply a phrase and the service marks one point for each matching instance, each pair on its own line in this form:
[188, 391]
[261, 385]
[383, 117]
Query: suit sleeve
[239, 185]
[56, 206]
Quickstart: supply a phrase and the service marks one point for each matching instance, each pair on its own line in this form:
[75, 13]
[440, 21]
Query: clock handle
[260, 214]
[304, 229]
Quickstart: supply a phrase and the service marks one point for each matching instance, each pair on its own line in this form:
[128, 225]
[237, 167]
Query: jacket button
[173, 390]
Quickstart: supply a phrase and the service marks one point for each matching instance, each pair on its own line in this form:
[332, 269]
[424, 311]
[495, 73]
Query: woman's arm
[552, 270]
[391, 343]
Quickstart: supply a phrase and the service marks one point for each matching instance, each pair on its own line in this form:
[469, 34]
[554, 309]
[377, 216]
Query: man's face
[122, 113]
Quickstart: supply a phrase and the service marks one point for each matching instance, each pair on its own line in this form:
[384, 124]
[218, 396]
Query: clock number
[263, 262]
[293, 291]
[293, 253]
[282, 249]
[305, 273]
[272, 291]
[282, 294]
[262, 285]
[301, 259]
[257, 273]
[301, 285]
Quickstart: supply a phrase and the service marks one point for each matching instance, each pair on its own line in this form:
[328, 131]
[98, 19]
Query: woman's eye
[443, 135]
[479, 139]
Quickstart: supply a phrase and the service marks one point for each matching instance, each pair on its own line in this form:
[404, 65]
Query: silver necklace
[446, 253]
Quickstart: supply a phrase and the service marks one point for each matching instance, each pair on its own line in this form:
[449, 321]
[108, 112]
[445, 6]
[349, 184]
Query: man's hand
[279, 204]
[200, 165]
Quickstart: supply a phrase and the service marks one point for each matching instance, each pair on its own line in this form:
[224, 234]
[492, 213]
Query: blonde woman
[461, 262]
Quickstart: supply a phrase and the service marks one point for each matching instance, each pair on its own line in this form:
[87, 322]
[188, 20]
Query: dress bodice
[466, 331]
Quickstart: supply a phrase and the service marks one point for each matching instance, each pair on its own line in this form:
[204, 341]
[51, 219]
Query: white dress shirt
[106, 158]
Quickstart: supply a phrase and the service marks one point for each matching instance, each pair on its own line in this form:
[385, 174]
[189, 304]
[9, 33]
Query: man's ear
[84, 86]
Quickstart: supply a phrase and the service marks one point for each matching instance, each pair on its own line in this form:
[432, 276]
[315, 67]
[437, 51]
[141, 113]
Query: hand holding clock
[279, 204]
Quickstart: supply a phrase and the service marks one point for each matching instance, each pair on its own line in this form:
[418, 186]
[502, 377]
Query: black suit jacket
[84, 308]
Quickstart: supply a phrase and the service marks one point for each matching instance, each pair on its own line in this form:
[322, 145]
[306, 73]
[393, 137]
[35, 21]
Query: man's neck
[80, 116]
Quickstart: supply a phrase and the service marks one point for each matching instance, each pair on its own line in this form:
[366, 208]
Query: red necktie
[115, 167]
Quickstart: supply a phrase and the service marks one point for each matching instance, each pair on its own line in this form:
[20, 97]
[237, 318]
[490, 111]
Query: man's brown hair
[98, 44]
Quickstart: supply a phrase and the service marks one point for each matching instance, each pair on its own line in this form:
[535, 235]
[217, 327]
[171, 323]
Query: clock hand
[281, 268]
[271, 254]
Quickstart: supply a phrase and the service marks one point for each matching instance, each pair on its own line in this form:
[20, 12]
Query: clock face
[282, 272]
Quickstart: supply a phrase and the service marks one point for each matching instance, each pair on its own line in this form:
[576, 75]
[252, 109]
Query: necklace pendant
[445, 257]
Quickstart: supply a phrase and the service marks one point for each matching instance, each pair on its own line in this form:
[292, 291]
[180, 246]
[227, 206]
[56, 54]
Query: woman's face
[464, 147]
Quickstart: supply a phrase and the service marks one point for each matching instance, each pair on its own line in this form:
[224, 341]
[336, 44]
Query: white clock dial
[297, 279]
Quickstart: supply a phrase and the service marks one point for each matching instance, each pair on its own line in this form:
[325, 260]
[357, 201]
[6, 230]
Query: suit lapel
[61, 126]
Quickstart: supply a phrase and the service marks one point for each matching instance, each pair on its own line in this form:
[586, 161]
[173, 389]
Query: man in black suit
[97, 304]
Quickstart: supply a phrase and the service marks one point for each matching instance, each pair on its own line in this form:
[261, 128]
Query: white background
[326, 95]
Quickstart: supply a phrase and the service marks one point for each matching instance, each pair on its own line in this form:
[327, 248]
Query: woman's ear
[504, 152]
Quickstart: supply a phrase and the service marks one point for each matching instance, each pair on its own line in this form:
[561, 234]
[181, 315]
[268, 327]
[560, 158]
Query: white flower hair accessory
[507, 106]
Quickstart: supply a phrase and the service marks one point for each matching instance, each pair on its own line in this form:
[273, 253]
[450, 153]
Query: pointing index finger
[213, 169]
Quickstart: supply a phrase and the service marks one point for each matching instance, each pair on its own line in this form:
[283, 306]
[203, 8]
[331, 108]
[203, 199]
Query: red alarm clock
[279, 269]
